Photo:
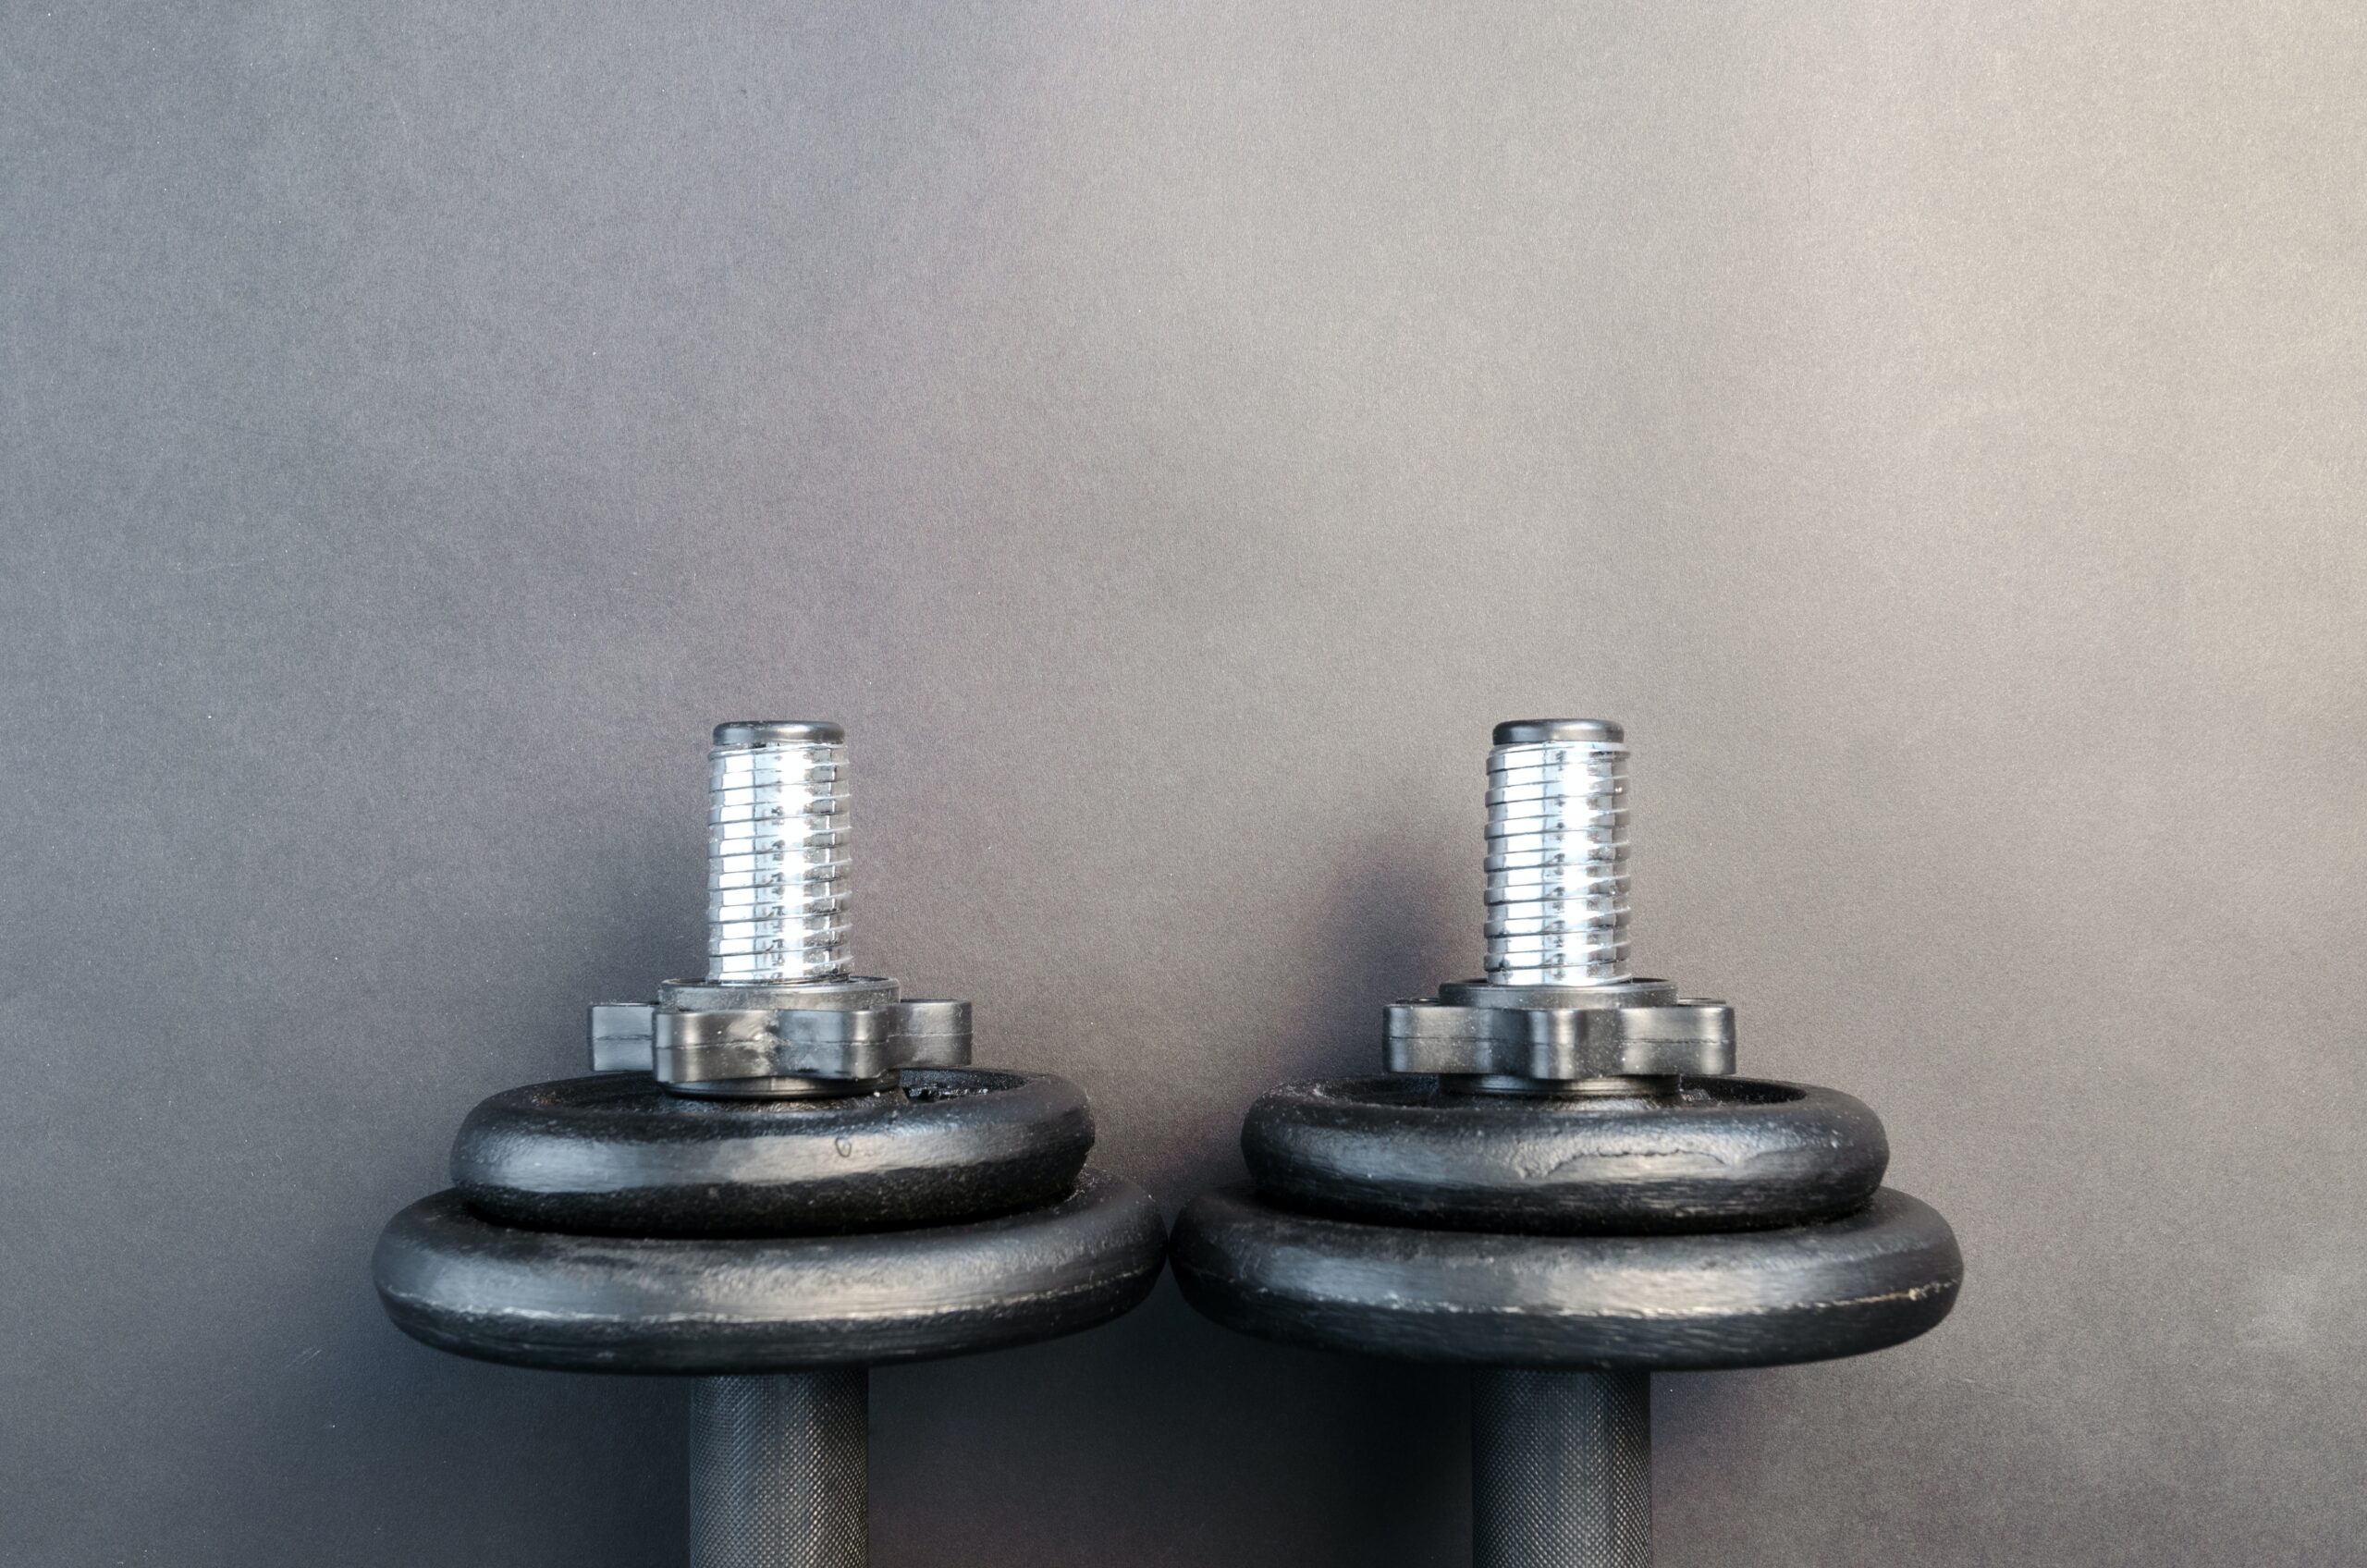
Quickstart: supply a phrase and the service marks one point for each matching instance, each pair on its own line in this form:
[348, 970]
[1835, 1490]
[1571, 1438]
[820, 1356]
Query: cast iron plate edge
[1731, 1154]
[1752, 1298]
[695, 1305]
[614, 1154]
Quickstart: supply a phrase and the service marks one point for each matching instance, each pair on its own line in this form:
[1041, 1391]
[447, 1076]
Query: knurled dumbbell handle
[1560, 1469]
[779, 1470]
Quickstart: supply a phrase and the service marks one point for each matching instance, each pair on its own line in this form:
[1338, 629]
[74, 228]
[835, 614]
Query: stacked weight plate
[1561, 1182]
[775, 1248]
[1568, 1245]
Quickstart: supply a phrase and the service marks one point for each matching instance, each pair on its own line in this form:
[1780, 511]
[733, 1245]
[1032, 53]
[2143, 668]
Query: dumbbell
[1558, 1183]
[777, 1176]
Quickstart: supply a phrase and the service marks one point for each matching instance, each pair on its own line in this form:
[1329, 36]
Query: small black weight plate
[1749, 1298]
[1723, 1154]
[459, 1282]
[614, 1154]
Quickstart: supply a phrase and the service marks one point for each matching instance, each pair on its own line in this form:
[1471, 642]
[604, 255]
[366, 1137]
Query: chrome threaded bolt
[776, 854]
[777, 1015]
[1557, 853]
[1558, 1006]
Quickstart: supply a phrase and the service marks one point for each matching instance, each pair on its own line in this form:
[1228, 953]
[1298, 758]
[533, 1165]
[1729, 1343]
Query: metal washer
[1721, 1154]
[1752, 1298]
[617, 1153]
[459, 1282]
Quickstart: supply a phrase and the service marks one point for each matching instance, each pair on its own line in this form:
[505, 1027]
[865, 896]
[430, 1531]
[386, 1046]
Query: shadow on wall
[1298, 1457]
[1400, 917]
[1266, 1457]
[1392, 924]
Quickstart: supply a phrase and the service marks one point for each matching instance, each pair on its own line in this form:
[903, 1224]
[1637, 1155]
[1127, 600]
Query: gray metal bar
[779, 1470]
[1560, 1469]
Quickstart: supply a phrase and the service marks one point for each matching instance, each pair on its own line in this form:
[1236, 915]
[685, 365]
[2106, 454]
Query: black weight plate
[712, 1305]
[1750, 1298]
[1723, 1153]
[614, 1154]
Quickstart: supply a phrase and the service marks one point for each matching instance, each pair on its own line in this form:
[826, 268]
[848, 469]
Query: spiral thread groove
[777, 862]
[1557, 863]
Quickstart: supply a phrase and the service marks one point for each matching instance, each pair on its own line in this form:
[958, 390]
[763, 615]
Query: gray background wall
[1169, 437]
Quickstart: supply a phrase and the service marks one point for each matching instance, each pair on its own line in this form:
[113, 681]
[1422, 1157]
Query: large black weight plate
[1753, 1298]
[1725, 1154]
[614, 1154]
[699, 1304]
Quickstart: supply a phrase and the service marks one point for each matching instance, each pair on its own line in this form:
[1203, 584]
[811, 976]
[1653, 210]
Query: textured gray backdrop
[1170, 435]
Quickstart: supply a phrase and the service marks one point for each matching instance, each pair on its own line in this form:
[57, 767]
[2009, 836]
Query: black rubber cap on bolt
[1546, 732]
[779, 732]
